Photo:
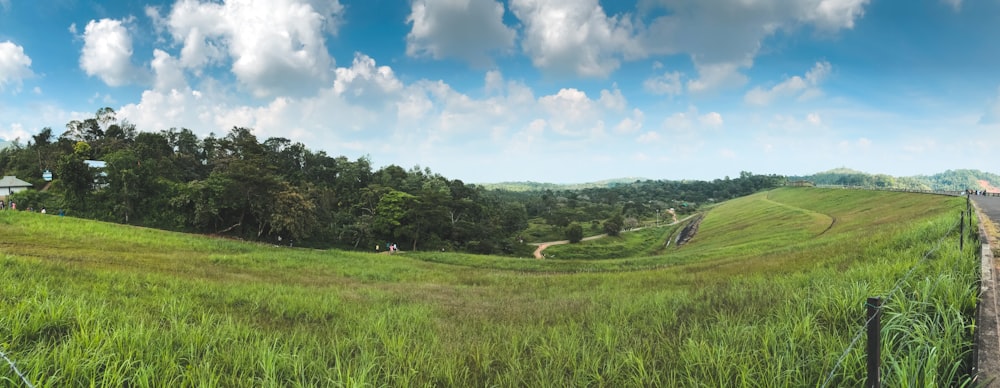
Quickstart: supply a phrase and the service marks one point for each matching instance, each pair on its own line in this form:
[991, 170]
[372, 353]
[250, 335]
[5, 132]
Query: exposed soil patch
[987, 186]
[689, 231]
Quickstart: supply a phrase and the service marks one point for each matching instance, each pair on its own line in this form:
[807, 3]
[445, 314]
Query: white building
[10, 185]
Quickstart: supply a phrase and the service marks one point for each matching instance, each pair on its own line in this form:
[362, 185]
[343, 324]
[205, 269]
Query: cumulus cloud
[568, 107]
[275, 46]
[107, 53]
[711, 119]
[15, 66]
[13, 132]
[724, 37]
[669, 84]
[574, 36]
[689, 122]
[168, 73]
[467, 29]
[716, 76]
[792, 87]
[365, 82]
[631, 124]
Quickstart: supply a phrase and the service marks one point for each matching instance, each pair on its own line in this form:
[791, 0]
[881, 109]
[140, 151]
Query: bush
[36, 200]
[613, 226]
[574, 232]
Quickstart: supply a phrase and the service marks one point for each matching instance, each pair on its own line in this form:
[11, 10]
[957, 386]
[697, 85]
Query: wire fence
[885, 299]
[13, 367]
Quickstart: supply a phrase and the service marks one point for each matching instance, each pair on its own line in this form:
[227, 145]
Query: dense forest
[277, 190]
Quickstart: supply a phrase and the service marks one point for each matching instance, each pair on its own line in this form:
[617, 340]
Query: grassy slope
[761, 296]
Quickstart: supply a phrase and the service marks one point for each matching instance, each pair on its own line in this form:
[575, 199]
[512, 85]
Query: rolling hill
[768, 293]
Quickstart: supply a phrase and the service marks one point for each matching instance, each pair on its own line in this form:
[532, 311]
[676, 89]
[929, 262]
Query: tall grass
[761, 297]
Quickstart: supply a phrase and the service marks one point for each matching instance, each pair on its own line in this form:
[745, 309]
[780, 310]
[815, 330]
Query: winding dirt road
[541, 246]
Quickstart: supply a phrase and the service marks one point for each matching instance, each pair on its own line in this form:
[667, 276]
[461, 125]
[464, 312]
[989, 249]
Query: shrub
[574, 232]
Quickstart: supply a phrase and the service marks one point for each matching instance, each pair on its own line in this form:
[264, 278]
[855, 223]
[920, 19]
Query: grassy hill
[770, 292]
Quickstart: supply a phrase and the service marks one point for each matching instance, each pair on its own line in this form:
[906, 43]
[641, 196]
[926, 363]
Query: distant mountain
[5, 144]
[948, 180]
[536, 186]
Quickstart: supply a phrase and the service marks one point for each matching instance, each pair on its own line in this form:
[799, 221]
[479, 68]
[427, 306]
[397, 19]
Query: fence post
[874, 341]
[961, 232]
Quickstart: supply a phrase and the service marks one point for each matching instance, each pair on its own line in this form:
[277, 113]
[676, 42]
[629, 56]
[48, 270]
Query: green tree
[574, 232]
[293, 214]
[75, 177]
[614, 225]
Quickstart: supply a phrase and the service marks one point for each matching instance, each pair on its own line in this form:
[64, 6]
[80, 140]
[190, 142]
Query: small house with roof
[10, 185]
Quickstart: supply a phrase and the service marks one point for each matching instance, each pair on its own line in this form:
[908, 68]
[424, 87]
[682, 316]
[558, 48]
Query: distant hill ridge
[949, 180]
[539, 186]
[960, 179]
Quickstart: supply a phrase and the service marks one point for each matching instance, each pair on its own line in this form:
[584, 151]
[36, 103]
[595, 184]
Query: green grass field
[769, 293]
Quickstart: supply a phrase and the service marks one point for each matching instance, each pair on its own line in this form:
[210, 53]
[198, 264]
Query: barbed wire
[13, 367]
[885, 300]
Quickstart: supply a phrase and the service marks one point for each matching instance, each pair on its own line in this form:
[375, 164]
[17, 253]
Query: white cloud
[574, 36]
[806, 86]
[365, 81]
[107, 53]
[14, 132]
[669, 83]
[631, 124]
[836, 14]
[717, 76]
[568, 108]
[648, 137]
[722, 37]
[4, 5]
[613, 99]
[168, 72]
[276, 46]
[955, 4]
[814, 119]
[467, 29]
[677, 122]
[711, 119]
[15, 66]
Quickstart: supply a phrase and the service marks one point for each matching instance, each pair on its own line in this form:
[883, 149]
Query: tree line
[277, 190]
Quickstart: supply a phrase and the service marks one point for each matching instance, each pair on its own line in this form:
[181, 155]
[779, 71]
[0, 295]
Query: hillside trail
[541, 246]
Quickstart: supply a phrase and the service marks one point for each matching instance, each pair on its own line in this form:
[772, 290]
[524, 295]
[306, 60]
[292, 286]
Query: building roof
[12, 181]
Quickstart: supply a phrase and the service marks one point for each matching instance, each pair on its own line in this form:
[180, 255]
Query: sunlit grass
[767, 294]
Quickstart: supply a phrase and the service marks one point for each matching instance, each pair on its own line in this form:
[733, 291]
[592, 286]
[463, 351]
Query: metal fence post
[874, 341]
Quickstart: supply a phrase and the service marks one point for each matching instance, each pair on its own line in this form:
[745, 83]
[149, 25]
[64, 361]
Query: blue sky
[542, 90]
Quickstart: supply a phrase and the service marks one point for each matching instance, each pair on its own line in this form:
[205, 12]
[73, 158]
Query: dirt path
[542, 246]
